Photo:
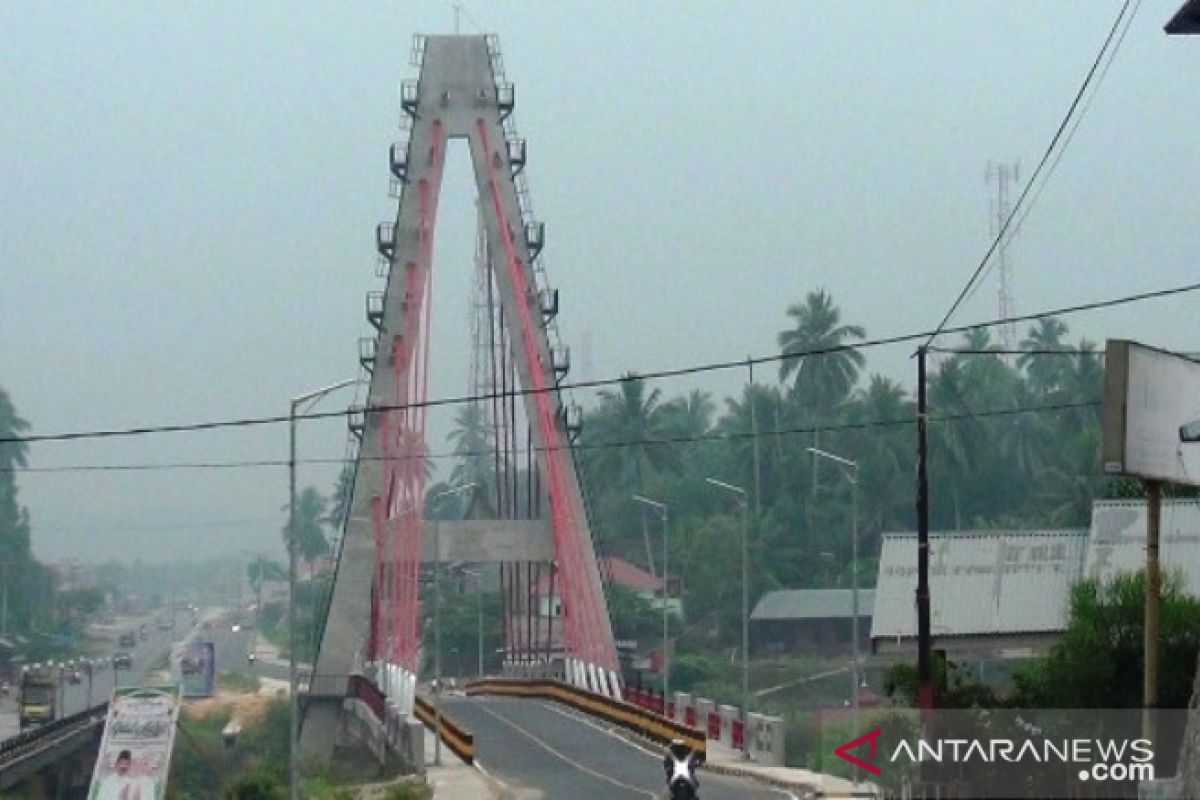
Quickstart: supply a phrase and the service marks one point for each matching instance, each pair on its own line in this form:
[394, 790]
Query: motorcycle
[683, 790]
[680, 762]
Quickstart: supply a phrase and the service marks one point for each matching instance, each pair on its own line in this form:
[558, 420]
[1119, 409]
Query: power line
[589, 384]
[712, 436]
[1000, 351]
[217, 523]
[1078, 120]
[1062, 126]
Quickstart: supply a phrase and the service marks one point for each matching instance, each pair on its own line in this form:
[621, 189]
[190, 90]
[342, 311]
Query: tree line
[31, 585]
[1013, 443]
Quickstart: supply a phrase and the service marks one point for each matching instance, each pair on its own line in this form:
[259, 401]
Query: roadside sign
[135, 752]
[196, 669]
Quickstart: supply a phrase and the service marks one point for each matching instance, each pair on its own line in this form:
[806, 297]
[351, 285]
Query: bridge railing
[19, 742]
[459, 739]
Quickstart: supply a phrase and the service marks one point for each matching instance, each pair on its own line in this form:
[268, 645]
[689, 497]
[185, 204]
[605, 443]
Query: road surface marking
[576, 764]
[581, 717]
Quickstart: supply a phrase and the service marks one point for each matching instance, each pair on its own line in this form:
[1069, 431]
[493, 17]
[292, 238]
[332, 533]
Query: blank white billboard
[1151, 414]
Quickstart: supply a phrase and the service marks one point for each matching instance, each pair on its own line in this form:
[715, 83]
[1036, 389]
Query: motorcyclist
[680, 762]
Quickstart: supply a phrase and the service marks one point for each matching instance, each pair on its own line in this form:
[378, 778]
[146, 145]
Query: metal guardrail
[460, 740]
[642, 721]
[17, 749]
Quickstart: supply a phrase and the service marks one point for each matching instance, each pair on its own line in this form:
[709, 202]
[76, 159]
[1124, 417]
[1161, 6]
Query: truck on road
[36, 700]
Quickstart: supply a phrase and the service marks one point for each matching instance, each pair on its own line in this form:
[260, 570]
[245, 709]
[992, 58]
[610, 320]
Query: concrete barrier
[728, 715]
[682, 701]
[704, 707]
[766, 739]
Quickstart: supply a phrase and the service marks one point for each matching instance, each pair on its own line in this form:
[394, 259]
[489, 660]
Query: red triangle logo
[872, 739]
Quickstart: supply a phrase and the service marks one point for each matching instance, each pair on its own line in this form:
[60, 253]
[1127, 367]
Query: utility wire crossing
[660, 374]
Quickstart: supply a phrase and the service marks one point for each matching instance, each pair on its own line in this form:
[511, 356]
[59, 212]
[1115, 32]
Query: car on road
[128, 639]
[122, 660]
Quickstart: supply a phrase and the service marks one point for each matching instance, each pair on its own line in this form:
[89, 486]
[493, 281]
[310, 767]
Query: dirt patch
[247, 708]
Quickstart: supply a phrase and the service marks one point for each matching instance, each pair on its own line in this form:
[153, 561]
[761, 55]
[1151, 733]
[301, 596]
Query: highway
[544, 751]
[232, 649]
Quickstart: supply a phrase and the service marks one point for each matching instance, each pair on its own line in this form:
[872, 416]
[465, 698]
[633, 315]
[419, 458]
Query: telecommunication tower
[999, 208]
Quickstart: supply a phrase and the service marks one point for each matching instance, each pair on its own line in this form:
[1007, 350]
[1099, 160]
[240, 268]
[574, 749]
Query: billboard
[1151, 413]
[196, 668]
[135, 753]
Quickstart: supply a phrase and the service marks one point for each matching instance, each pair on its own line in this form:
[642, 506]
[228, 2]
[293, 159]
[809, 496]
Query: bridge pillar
[373, 608]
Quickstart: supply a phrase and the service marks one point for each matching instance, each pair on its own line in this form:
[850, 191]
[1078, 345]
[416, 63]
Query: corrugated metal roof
[981, 582]
[1118, 539]
[795, 604]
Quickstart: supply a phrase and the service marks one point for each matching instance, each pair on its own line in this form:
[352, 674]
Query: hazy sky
[188, 194]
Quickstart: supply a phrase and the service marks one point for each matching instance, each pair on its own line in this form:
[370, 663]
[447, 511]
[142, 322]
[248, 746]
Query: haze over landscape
[189, 196]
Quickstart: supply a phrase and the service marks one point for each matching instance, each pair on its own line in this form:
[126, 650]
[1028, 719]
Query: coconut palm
[884, 455]
[626, 426]
[310, 542]
[770, 415]
[824, 379]
[474, 444]
[339, 507]
[12, 454]
[691, 415]
[1046, 371]
[14, 519]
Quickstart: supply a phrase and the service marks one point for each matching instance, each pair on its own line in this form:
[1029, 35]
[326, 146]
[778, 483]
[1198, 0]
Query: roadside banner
[196, 669]
[135, 753]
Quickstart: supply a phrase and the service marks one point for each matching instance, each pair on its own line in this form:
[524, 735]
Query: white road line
[581, 717]
[577, 765]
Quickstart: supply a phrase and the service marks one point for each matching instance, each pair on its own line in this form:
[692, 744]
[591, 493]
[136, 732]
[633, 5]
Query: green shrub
[256, 785]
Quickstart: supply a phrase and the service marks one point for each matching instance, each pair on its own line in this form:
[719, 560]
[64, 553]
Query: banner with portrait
[135, 752]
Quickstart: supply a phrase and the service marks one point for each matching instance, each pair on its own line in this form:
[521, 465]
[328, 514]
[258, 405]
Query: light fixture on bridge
[516, 154]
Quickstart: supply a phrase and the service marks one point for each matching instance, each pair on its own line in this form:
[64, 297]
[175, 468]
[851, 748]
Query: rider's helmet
[679, 749]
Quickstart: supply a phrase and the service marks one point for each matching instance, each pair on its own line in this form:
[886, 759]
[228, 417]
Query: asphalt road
[232, 651]
[535, 745]
[146, 655]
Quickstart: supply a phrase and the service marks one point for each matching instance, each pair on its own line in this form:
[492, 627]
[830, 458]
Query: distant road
[232, 651]
[542, 751]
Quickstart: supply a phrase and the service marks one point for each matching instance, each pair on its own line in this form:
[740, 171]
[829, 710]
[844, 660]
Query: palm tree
[954, 444]
[311, 543]
[1083, 382]
[474, 444]
[690, 416]
[771, 413]
[823, 380]
[14, 519]
[629, 422]
[884, 455]
[339, 508]
[625, 427]
[1045, 370]
[12, 454]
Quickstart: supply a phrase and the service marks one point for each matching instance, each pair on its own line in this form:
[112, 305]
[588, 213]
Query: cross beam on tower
[372, 619]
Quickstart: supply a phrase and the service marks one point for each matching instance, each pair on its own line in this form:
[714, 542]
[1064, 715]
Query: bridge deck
[549, 752]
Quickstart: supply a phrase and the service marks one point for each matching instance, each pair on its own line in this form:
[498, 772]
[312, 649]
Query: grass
[237, 682]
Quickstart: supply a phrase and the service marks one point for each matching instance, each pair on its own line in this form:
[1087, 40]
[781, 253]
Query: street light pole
[666, 641]
[851, 473]
[479, 610]
[293, 682]
[744, 500]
